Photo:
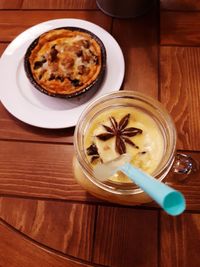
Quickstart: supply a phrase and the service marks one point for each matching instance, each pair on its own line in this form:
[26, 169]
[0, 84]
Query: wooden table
[46, 218]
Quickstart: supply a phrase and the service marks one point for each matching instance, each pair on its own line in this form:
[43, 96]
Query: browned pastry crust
[65, 61]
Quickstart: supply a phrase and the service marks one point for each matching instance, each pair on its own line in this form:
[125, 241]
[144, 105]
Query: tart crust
[65, 62]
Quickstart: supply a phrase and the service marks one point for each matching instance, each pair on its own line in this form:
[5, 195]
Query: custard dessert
[124, 130]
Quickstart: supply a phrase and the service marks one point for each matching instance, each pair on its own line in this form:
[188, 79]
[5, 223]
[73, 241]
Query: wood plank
[15, 251]
[41, 170]
[180, 240]
[188, 185]
[2, 47]
[180, 28]
[180, 5]
[12, 4]
[14, 22]
[13, 129]
[59, 4]
[66, 227]
[124, 239]
[138, 40]
[180, 82]
[45, 171]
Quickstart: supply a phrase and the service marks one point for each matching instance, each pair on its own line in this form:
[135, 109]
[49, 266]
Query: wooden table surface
[46, 218]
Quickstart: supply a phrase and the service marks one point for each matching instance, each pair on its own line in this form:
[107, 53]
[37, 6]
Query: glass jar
[125, 9]
[126, 192]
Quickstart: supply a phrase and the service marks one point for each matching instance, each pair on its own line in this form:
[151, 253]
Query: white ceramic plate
[31, 106]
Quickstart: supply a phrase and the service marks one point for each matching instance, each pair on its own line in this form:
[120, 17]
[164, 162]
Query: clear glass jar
[124, 193]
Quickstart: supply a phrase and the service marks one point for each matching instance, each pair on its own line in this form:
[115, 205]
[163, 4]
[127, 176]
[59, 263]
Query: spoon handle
[171, 200]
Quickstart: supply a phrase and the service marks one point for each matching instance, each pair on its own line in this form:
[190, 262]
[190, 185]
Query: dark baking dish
[94, 85]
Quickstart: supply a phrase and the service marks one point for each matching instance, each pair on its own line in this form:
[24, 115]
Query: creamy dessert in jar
[118, 123]
[124, 130]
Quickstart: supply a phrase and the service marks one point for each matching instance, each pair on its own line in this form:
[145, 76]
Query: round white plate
[31, 106]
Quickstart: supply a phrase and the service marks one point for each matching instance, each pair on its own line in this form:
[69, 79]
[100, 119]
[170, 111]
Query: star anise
[120, 131]
[93, 152]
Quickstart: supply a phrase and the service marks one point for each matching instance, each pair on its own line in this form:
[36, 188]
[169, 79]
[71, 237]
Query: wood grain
[35, 170]
[180, 5]
[15, 251]
[124, 238]
[59, 4]
[140, 47]
[188, 185]
[2, 47]
[39, 196]
[45, 171]
[12, 4]
[180, 82]
[180, 28]
[180, 240]
[13, 129]
[65, 227]
[14, 22]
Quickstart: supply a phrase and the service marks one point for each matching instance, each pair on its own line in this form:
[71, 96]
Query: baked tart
[66, 62]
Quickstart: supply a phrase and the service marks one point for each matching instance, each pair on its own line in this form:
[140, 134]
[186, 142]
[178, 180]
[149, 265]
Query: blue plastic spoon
[171, 200]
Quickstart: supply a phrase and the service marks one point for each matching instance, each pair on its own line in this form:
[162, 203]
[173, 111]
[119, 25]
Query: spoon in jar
[171, 200]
